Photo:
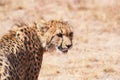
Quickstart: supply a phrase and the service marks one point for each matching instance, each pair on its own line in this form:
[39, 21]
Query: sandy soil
[96, 51]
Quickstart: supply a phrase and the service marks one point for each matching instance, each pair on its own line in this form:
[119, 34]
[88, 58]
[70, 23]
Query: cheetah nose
[68, 46]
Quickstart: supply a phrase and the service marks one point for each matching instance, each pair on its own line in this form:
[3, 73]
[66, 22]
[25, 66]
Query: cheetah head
[57, 34]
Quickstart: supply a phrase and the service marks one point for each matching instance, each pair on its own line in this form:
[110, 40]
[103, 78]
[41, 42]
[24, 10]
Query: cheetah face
[63, 39]
[59, 35]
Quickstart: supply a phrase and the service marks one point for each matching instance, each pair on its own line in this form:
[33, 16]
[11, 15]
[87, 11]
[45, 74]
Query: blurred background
[96, 51]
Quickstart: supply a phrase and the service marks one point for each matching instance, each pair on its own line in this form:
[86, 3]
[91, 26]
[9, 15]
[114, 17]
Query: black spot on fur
[0, 64]
[18, 34]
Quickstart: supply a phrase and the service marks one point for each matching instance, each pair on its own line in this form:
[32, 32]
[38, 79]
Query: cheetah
[21, 50]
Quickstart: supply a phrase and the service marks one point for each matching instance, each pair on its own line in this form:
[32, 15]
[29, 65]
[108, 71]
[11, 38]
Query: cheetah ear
[48, 36]
[41, 25]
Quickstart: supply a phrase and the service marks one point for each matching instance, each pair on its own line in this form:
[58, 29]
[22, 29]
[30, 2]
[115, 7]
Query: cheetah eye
[71, 34]
[59, 35]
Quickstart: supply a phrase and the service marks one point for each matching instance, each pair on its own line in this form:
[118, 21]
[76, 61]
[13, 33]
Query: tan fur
[21, 49]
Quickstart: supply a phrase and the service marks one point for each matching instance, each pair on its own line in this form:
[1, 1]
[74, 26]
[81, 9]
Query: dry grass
[96, 23]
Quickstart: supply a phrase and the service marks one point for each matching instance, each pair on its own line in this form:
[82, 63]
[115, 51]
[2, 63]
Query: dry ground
[96, 51]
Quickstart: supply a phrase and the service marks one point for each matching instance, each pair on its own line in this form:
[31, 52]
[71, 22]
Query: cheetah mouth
[63, 50]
